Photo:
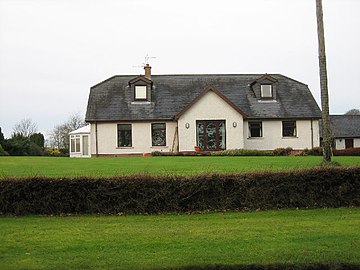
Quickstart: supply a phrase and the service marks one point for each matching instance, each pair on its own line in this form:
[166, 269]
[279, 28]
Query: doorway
[349, 143]
[211, 135]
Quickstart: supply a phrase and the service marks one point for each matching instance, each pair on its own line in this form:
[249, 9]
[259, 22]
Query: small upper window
[266, 91]
[140, 92]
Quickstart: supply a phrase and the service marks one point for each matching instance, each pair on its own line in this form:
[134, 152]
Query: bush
[3, 152]
[158, 154]
[242, 152]
[146, 194]
[316, 151]
[282, 151]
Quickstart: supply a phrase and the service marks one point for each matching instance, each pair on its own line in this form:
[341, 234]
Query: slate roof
[110, 100]
[344, 126]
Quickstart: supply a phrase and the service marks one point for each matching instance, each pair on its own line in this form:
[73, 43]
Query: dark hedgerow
[146, 194]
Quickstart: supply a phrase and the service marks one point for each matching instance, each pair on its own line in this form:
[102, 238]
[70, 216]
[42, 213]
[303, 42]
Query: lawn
[148, 242]
[68, 167]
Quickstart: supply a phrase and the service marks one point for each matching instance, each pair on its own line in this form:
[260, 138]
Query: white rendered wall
[356, 142]
[340, 143]
[141, 138]
[210, 107]
[272, 136]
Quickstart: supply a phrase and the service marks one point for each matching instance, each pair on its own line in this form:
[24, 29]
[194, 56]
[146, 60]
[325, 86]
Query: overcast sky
[52, 52]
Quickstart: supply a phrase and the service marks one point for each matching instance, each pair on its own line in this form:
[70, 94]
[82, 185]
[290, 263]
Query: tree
[323, 84]
[59, 137]
[353, 112]
[2, 138]
[38, 139]
[25, 128]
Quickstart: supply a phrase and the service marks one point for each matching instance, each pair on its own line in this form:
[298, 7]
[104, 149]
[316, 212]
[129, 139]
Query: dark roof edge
[127, 120]
[200, 74]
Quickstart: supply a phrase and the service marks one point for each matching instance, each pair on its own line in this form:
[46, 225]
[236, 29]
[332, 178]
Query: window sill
[255, 138]
[125, 147]
[140, 102]
[159, 146]
[290, 137]
[267, 101]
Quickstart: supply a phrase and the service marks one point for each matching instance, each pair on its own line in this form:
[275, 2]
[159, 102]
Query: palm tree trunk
[323, 84]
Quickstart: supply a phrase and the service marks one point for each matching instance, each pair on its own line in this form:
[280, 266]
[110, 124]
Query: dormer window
[140, 88]
[140, 92]
[266, 91]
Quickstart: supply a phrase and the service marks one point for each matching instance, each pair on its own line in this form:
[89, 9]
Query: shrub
[158, 154]
[322, 187]
[242, 152]
[282, 151]
[3, 152]
[316, 151]
[52, 152]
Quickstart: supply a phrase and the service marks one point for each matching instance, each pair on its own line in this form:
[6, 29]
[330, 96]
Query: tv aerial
[147, 57]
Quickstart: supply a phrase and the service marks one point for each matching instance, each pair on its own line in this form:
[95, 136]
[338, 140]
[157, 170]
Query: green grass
[68, 167]
[148, 242]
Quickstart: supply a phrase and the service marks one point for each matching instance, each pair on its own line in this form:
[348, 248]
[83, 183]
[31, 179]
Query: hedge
[275, 267]
[147, 194]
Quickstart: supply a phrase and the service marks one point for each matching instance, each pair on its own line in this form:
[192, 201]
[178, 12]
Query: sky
[52, 51]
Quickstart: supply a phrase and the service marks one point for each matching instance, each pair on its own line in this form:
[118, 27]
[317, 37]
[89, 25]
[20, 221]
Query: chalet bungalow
[345, 131]
[131, 115]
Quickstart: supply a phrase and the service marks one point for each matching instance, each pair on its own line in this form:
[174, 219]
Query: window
[140, 92]
[266, 91]
[255, 129]
[75, 144]
[124, 135]
[85, 144]
[289, 128]
[158, 134]
[211, 135]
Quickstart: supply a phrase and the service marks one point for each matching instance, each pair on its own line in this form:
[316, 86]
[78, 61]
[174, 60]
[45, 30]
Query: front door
[211, 134]
[349, 143]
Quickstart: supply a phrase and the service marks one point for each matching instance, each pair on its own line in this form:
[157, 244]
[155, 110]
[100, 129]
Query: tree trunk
[323, 85]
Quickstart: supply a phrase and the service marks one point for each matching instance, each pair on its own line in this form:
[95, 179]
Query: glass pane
[140, 92]
[266, 90]
[211, 136]
[222, 135]
[200, 135]
[85, 145]
[77, 145]
[158, 138]
[72, 145]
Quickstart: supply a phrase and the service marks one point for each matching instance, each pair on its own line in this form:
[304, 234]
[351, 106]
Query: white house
[141, 114]
[80, 142]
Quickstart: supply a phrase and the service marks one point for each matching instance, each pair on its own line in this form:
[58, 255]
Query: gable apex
[265, 77]
[140, 78]
[213, 89]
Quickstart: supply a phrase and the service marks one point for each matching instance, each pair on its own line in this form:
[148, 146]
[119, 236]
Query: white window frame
[140, 92]
[266, 91]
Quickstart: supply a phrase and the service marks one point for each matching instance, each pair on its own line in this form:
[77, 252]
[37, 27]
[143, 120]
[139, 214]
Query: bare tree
[323, 84]
[353, 112]
[59, 137]
[25, 127]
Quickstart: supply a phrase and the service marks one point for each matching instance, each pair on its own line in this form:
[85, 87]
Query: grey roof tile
[344, 126]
